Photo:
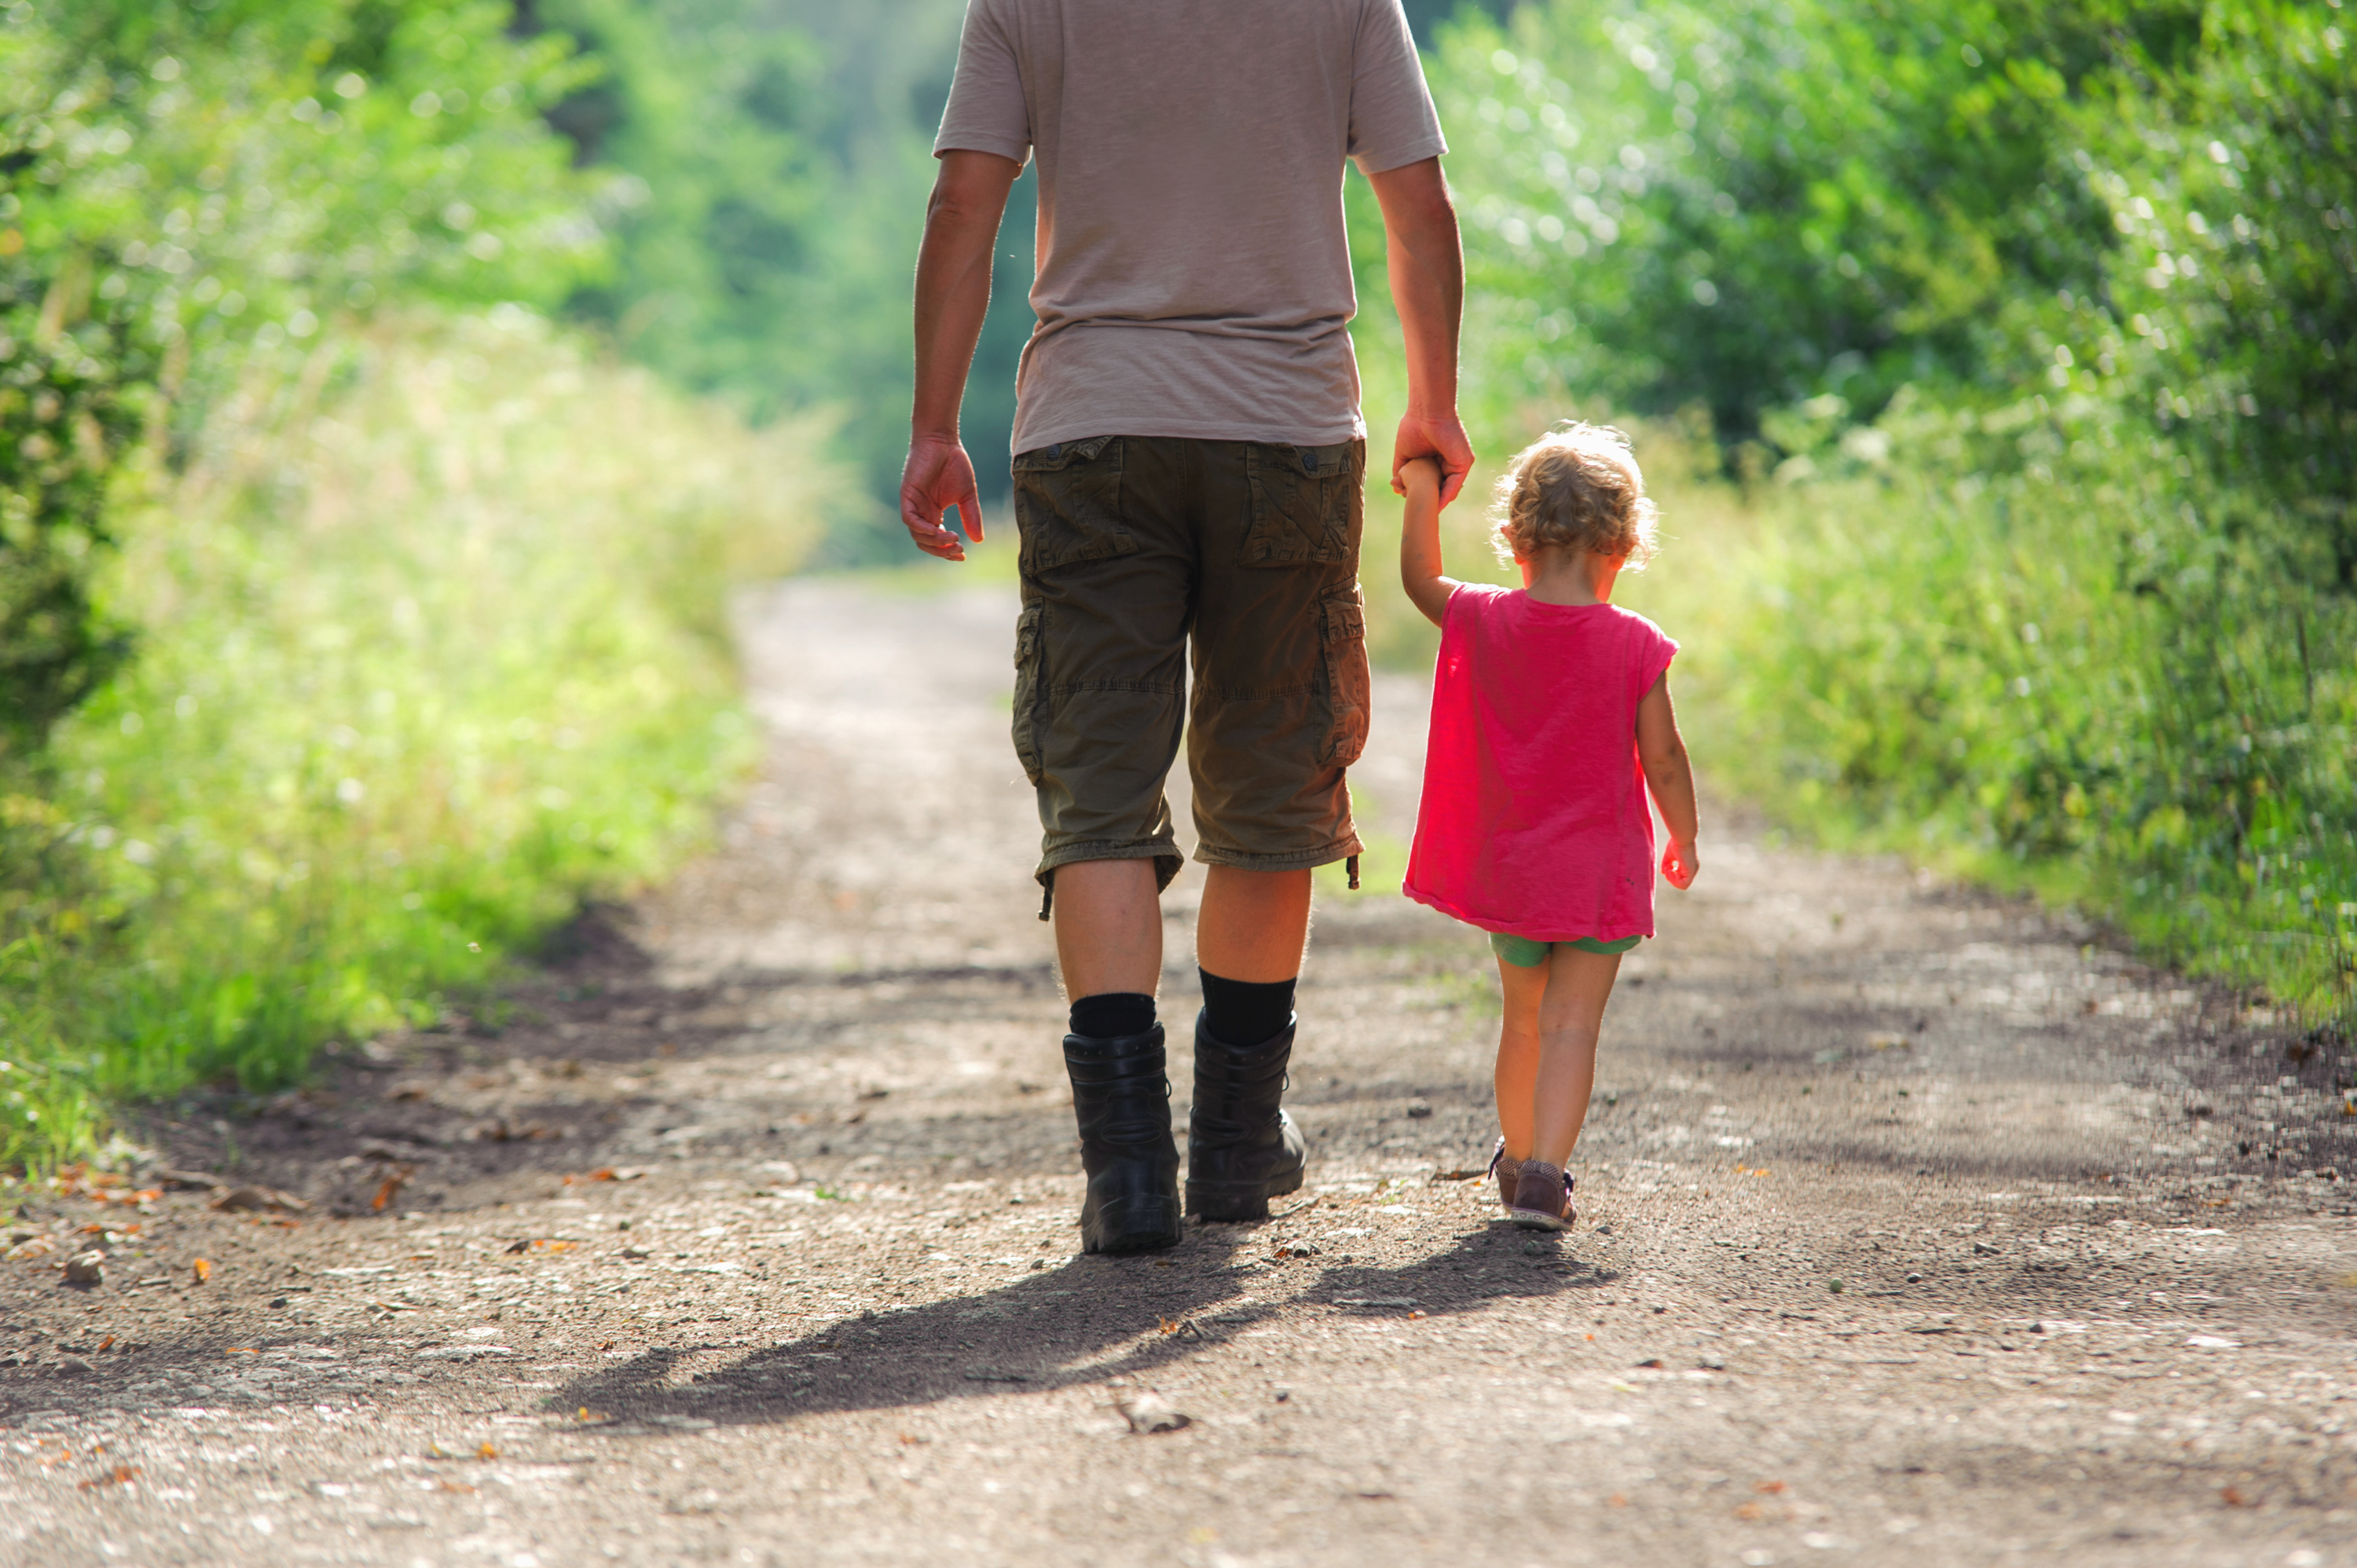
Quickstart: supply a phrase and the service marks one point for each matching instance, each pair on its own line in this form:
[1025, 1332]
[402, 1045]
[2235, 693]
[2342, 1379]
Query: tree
[183, 185]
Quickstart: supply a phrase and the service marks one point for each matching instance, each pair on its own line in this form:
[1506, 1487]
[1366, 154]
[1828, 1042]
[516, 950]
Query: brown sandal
[1506, 1171]
[1542, 1197]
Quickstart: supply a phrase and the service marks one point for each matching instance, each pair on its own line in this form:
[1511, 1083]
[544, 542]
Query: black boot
[1120, 1097]
[1242, 1148]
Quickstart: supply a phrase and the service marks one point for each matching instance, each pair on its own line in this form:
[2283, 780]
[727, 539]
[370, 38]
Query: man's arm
[1427, 261]
[953, 297]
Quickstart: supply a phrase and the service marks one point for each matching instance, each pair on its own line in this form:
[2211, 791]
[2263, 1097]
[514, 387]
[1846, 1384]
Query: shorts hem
[1163, 852]
[1283, 860]
[1529, 952]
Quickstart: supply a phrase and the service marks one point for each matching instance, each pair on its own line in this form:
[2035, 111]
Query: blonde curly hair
[1577, 488]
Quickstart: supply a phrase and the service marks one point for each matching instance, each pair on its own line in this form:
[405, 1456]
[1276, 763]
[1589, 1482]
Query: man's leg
[1279, 712]
[1254, 924]
[1099, 685]
[1248, 946]
[1109, 928]
[1241, 1147]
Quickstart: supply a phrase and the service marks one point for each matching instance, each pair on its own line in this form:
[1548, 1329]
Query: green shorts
[1147, 560]
[1524, 953]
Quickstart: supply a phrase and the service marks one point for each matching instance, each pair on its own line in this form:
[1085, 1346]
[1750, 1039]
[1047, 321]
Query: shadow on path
[1092, 1319]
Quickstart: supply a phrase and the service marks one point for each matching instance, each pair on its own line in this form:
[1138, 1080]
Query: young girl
[1550, 716]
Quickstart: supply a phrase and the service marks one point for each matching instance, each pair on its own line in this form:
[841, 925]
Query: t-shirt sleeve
[1392, 122]
[1468, 601]
[1654, 650]
[987, 112]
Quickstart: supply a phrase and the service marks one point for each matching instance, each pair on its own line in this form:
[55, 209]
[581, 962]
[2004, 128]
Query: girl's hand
[1419, 476]
[1679, 864]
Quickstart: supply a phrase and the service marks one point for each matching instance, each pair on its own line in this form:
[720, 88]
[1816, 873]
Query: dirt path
[1916, 1229]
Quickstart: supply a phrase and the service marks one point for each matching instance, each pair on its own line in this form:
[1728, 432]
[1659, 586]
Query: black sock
[1111, 1015]
[1243, 1012]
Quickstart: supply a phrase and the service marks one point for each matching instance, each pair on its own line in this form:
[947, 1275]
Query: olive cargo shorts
[1129, 545]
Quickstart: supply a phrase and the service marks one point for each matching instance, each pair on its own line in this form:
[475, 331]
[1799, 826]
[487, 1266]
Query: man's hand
[1440, 437]
[939, 475]
[1679, 864]
[953, 297]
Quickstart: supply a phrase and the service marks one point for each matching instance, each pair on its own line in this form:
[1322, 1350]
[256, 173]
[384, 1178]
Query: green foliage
[1999, 682]
[2233, 185]
[178, 184]
[1748, 204]
[1425, 17]
[431, 649]
[778, 158]
[426, 611]
[2040, 320]
[725, 211]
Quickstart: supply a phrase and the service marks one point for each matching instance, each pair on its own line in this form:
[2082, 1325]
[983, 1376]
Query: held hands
[939, 475]
[1440, 437]
[1419, 480]
[1679, 864]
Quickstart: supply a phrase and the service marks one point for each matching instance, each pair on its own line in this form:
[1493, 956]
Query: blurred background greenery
[1994, 360]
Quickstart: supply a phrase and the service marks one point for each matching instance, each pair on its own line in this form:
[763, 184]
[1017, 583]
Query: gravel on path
[1916, 1226]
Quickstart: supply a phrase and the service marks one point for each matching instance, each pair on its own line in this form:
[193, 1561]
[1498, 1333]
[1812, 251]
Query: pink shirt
[1533, 821]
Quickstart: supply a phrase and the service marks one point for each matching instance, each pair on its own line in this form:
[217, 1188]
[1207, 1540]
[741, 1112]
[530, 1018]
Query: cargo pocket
[1342, 631]
[1029, 691]
[1305, 505]
[1068, 504]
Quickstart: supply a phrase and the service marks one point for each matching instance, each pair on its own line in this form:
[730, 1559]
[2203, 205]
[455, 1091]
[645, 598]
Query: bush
[432, 648]
[1747, 205]
[180, 184]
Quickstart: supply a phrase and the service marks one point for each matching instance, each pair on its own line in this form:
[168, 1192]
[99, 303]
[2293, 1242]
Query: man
[1189, 459]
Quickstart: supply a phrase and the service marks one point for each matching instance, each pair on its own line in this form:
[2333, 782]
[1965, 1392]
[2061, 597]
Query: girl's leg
[1571, 1011]
[1518, 1053]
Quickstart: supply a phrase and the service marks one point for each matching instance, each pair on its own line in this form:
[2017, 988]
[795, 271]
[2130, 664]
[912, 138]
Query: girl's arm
[1662, 752]
[1428, 590]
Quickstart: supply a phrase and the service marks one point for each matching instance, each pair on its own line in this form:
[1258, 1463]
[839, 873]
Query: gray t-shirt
[1194, 275]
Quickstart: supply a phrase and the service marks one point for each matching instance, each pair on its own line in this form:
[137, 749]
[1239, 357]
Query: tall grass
[2067, 678]
[431, 647]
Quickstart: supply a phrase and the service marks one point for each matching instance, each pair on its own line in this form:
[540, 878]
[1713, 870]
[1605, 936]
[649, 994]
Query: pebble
[1150, 1412]
[86, 1269]
[74, 1366]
